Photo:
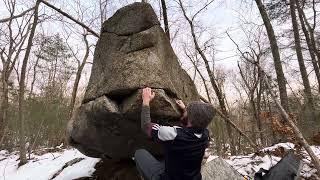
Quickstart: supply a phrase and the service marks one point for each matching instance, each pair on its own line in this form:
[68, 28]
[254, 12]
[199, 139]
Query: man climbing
[184, 146]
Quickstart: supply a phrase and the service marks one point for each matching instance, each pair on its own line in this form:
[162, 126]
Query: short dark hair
[200, 114]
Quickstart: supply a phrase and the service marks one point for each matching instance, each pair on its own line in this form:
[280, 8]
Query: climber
[184, 146]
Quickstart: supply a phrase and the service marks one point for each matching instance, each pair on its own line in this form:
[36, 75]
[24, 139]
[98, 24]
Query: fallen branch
[229, 121]
[71, 18]
[67, 164]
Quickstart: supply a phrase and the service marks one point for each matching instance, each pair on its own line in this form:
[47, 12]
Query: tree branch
[16, 16]
[71, 18]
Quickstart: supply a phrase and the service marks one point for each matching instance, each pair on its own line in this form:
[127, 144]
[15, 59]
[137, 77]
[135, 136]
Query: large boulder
[132, 52]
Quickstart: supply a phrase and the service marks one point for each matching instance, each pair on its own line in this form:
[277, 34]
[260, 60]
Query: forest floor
[64, 164]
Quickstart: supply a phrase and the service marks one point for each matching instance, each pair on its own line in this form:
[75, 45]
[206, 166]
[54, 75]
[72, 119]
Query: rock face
[132, 52]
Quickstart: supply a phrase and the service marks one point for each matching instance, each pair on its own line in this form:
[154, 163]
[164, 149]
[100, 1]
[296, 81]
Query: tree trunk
[276, 55]
[23, 158]
[303, 71]
[78, 76]
[165, 18]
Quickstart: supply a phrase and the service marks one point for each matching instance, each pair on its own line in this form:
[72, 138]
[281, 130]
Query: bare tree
[23, 158]
[303, 71]
[275, 53]
[311, 29]
[81, 65]
[213, 80]
[251, 77]
[10, 51]
[309, 43]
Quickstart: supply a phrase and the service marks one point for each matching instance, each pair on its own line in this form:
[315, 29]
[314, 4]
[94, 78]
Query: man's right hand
[147, 96]
[180, 104]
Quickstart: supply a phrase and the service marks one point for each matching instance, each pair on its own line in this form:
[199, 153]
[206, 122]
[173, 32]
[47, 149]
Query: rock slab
[132, 52]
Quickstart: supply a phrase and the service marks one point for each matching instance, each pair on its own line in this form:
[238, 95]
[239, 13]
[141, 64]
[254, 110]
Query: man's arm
[146, 124]
[147, 97]
[183, 110]
[154, 131]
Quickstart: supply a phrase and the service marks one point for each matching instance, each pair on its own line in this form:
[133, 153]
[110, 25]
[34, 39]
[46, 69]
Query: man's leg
[148, 167]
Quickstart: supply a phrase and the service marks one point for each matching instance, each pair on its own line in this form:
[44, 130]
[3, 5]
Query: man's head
[199, 114]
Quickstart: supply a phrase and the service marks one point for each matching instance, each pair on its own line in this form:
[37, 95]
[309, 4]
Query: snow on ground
[43, 167]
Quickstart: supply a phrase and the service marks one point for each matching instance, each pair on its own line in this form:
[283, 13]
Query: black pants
[148, 167]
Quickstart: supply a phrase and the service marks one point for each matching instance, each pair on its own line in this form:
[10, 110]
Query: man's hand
[147, 96]
[180, 104]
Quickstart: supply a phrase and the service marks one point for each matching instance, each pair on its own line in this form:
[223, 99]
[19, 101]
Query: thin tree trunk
[259, 123]
[23, 158]
[303, 71]
[103, 7]
[78, 75]
[34, 76]
[201, 76]
[53, 83]
[4, 103]
[276, 55]
[165, 18]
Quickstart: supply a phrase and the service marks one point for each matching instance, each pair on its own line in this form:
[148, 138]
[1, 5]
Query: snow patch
[45, 166]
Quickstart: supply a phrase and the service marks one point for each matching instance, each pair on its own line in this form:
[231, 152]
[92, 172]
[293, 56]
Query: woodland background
[244, 57]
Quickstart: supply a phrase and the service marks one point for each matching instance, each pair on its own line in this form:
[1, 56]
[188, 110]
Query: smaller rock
[219, 169]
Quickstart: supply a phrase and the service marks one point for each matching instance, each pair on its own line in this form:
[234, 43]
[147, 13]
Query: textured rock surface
[219, 169]
[132, 52]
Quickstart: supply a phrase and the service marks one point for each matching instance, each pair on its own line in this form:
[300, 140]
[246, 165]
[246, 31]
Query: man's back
[184, 153]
